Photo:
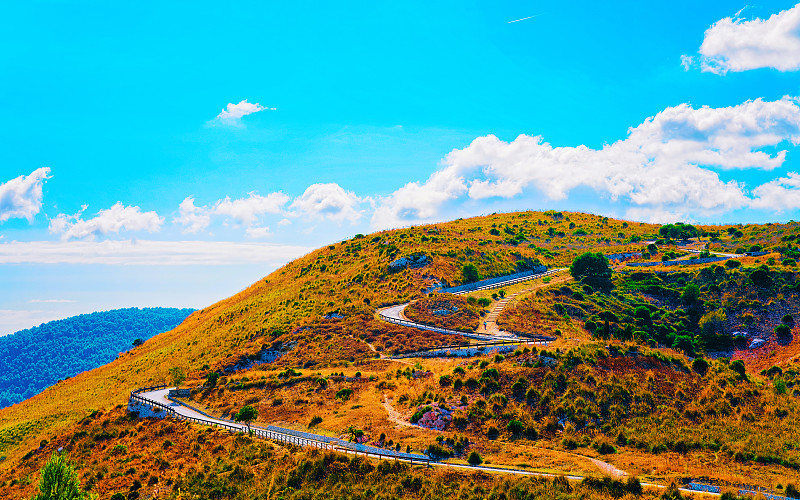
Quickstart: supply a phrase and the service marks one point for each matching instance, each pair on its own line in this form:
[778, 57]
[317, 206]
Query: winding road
[158, 399]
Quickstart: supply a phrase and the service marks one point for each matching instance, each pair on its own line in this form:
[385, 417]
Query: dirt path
[608, 469]
[489, 324]
[394, 415]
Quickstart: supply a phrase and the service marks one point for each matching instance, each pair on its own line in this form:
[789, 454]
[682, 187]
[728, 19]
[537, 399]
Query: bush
[469, 273]
[515, 427]
[738, 367]
[476, 459]
[783, 331]
[315, 420]
[713, 322]
[700, 365]
[733, 263]
[211, 379]
[344, 394]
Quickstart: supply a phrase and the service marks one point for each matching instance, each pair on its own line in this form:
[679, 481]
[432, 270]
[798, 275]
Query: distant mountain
[33, 359]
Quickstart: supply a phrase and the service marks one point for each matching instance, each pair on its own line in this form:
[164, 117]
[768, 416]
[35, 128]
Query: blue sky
[171, 153]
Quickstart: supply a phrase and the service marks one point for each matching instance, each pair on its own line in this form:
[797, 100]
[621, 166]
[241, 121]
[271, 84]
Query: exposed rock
[410, 261]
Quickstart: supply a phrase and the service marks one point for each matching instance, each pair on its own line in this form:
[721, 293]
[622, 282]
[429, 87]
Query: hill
[33, 359]
[305, 343]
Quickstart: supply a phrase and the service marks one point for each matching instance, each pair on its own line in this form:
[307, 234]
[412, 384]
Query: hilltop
[644, 373]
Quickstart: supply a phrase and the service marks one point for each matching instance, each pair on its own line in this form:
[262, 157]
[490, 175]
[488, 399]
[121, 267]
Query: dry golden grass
[350, 278]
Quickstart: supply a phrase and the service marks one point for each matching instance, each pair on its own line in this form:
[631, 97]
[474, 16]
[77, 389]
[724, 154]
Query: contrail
[524, 19]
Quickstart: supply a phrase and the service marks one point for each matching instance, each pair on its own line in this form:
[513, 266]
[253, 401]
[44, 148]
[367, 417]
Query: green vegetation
[645, 369]
[60, 481]
[33, 359]
[247, 415]
[592, 268]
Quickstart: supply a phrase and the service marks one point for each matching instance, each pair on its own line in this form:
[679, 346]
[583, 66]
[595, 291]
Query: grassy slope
[298, 294]
[349, 278]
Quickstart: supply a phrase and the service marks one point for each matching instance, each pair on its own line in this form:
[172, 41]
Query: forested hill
[33, 359]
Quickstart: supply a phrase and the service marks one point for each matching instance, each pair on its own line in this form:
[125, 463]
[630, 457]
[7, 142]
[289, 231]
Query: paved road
[159, 396]
[394, 314]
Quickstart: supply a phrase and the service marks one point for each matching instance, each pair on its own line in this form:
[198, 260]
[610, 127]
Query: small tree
[177, 375]
[60, 481]
[592, 268]
[246, 414]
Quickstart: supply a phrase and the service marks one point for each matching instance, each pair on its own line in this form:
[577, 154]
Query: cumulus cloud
[193, 218]
[667, 163]
[233, 113]
[780, 194]
[113, 220]
[247, 210]
[733, 44]
[21, 198]
[329, 201]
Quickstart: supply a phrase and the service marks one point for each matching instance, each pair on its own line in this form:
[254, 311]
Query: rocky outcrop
[409, 261]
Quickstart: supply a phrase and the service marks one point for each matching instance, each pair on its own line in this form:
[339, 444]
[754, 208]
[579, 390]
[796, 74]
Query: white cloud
[664, 165]
[147, 252]
[247, 210]
[194, 219]
[284, 222]
[21, 198]
[780, 194]
[112, 220]
[732, 44]
[233, 113]
[329, 201]
[687, 62]
[256, 232]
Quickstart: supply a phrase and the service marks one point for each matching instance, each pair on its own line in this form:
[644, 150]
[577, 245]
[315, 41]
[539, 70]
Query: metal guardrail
[295, 438]
[499, 284]
[446, 331]
[422, 352]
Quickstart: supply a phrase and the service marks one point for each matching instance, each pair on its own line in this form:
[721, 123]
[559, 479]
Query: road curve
[159, 397]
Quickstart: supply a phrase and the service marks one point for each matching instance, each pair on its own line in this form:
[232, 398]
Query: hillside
[618, 385]
[38, 357]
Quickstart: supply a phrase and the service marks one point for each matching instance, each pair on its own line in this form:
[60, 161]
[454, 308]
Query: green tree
[470, 273]
[246, 414]
[177, 375]
[592, 268]
[60, 481]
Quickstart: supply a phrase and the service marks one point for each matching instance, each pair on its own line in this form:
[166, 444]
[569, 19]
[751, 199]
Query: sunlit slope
[350, 278]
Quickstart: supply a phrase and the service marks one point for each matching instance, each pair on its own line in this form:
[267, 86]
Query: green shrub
[475, 458]
[515, 427]
[344, 394]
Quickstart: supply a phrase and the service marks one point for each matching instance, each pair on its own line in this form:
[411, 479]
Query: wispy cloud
[524, 18]
[148, 253]
[21, 198]
[233, 113]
